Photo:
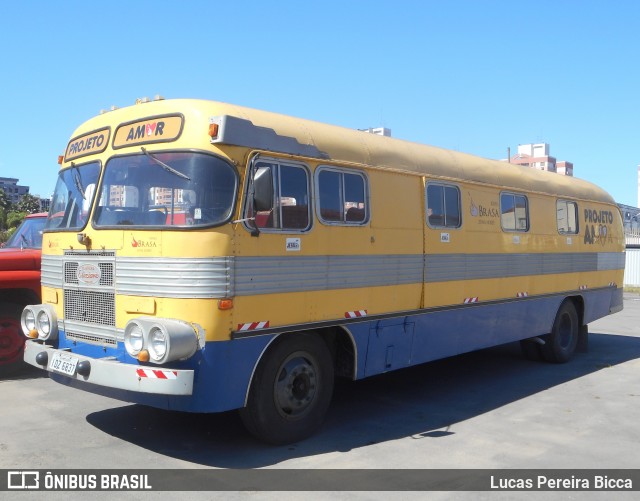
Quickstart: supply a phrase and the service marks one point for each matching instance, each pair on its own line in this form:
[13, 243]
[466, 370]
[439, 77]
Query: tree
[29, 204]
[15, 218]
[5, 203]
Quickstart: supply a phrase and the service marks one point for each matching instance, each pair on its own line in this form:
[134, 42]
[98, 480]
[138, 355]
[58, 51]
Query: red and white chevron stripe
[253, 326]
[612, 284]
[583, 287]
[469, 300]
[522, 294]
[355, 314]
[157, 374]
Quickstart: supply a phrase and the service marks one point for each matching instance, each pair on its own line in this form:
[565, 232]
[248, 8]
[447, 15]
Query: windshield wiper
[78, 180]
[166, 167]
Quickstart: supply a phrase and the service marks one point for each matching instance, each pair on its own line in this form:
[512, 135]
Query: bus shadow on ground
[21, 373]
[422, 402]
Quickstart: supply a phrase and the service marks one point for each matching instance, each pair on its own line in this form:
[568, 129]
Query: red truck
[19, 286]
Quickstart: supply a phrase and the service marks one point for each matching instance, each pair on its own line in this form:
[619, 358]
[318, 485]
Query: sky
[473, 76]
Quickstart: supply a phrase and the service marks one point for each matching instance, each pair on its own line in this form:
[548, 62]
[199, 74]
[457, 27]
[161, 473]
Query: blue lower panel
[223, 369]
[414, 339]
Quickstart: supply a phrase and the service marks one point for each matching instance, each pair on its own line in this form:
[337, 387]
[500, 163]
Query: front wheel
[560, 343]
[291, 390]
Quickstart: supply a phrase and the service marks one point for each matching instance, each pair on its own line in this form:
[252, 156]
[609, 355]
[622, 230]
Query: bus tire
[560, 343]
[290, 391]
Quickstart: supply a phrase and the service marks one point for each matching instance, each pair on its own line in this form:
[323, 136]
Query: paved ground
[490, 409]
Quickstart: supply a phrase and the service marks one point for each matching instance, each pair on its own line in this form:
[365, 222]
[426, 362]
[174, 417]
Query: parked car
[19, 286]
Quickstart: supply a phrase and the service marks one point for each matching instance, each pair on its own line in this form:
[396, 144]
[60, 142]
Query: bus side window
[290, 210]
[443, 206]
[342, 196]
[567, 217]
[514, 211]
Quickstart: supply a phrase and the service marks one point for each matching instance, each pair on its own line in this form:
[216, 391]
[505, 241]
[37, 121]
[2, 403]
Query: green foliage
[5, 203]
[15, 218]
[29, 204]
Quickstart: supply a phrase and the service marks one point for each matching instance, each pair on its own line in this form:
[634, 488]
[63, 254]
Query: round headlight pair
[39, 321]
[164, 340]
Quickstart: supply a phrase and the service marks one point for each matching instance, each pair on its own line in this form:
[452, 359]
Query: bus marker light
[225, 304]
[213, 130]
[143, 356]
[33, 334]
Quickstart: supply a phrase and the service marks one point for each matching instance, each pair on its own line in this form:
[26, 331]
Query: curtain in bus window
[330, 196]
[354, 202]
[294, 198]
[452, 206]
[522, 222]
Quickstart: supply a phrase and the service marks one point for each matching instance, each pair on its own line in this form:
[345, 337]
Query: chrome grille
[90, 306]
[91, 339]
[89, 309]
[106, 273]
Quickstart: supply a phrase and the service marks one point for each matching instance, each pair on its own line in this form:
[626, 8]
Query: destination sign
[149, 130]
[87, 144]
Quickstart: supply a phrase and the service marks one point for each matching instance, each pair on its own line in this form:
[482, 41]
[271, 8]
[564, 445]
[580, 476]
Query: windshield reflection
[28, 235]
[166, 189]
[72, 198]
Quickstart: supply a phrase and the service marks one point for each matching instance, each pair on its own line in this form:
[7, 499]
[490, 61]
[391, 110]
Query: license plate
[64, 363]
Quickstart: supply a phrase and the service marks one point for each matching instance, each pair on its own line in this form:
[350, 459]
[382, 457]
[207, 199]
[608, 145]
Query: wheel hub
[295, 388]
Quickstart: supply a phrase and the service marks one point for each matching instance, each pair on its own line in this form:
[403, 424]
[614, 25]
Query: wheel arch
[338, 339]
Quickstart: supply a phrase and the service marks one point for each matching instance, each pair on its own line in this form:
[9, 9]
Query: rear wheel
[291, 390]
[11, 338]
[560, 343]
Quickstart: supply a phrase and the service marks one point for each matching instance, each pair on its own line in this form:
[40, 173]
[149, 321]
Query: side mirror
[263, 190]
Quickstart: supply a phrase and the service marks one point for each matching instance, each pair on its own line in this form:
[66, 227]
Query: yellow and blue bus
[203, 257]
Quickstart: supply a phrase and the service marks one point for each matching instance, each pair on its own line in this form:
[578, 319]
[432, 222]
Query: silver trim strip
[175, 277]
[243, 276]
[268, 275]
[51, 273]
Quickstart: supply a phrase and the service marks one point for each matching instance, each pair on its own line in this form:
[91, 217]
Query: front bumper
[111, 373]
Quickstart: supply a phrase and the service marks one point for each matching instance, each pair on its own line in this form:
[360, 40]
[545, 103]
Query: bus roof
[286, 134]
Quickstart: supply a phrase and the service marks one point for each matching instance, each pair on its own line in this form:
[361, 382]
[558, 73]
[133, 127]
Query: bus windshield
[72, 197]
[182, 189]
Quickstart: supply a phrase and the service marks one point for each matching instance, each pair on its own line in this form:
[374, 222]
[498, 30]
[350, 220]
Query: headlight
[28, 320]
[133, 338]
[41, 318]
[44, 323]
[158, 344]
[165, 339]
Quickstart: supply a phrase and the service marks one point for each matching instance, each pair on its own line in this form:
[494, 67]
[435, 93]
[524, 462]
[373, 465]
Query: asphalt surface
[489, 409]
